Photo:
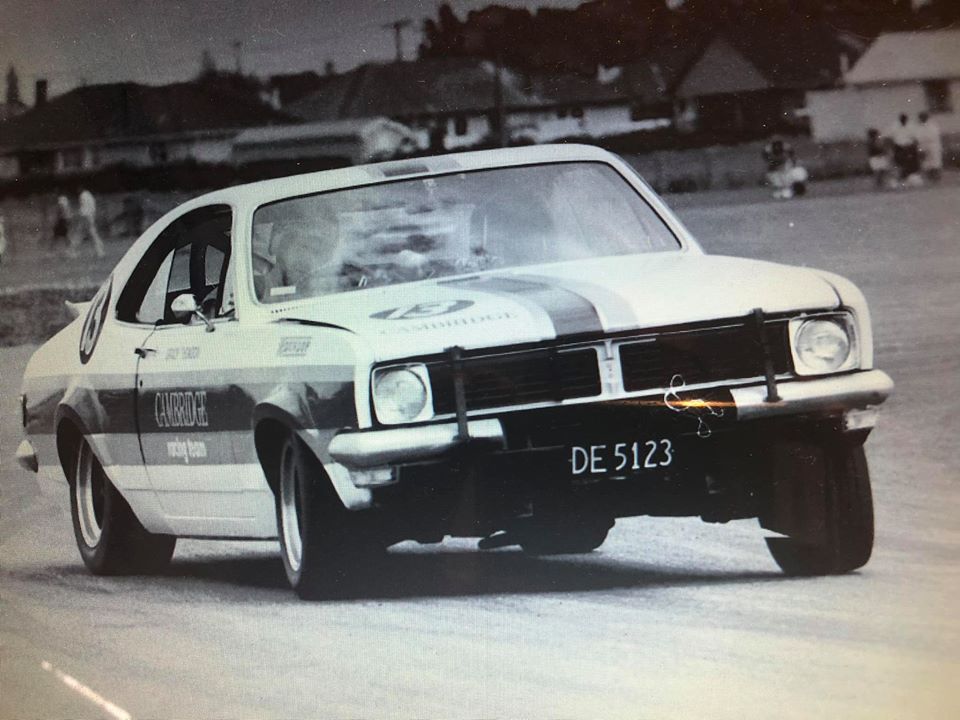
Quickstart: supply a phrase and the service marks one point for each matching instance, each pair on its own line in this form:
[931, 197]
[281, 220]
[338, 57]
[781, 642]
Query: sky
[70, 42]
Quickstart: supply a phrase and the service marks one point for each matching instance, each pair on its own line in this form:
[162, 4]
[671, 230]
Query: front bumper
[831, 396]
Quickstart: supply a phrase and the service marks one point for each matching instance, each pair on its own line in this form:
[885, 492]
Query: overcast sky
[73, 41]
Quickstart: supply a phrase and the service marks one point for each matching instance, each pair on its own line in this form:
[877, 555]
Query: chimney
[40, 93]
[329, 68]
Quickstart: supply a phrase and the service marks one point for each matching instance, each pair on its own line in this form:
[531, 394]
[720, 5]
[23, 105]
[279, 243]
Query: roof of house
[904, 56]
[794, 56]
[410, 89]
[11, 109]
[121, 110]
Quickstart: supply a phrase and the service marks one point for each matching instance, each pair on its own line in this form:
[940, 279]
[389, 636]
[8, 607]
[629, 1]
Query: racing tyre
[847, 521]
[565, 536]
[110, 538]
[320, 545]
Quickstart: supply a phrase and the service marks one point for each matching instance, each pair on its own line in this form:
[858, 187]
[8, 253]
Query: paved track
[670, 618]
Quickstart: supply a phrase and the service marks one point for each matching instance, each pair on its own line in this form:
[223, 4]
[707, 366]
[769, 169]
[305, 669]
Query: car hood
[544, 302]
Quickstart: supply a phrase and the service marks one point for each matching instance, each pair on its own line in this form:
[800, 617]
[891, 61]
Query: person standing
[87, 221]
[877, 158]
[931, 147]
[906, 154]
[61, 221]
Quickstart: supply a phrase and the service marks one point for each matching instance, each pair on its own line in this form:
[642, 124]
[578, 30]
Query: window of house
[191, 255]
[562, 112]
[158, 153]
[576, 111]
[637, 112]
[460, 124]
[938, 96]
[72, 159]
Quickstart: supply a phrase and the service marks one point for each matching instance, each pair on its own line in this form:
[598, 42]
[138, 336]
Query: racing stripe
[615, 312]
[569, 312]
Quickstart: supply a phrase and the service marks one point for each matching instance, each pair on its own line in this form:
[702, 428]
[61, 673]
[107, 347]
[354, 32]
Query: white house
[904, 72]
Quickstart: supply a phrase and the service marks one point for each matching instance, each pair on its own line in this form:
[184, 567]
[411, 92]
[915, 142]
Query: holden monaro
[516, 345]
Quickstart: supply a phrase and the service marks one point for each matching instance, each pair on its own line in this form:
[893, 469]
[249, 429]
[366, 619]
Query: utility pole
[237, 64]
[398, 27]
[499, 119]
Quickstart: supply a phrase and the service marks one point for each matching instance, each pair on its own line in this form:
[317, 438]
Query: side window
[191, 255]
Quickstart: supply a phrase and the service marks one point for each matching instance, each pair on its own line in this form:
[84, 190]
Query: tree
[13, 87]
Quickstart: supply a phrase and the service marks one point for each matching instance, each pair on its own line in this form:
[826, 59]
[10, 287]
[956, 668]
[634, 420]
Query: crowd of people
[907, 153]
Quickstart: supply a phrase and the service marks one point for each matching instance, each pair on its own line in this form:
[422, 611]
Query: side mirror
[185, 307]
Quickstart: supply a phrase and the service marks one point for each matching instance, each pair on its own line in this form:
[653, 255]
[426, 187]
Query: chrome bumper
[376, 448]
[799, 397]
[27, 456]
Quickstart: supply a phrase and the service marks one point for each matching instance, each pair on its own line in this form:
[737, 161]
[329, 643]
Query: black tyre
[847, 522]
[321, 547]
[110, 538]
[568, 535]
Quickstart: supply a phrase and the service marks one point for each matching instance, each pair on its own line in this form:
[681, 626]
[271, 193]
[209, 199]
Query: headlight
[402, 394]
[824, 345]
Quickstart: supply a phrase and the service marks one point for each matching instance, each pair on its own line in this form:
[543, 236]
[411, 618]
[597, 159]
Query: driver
[306, 259]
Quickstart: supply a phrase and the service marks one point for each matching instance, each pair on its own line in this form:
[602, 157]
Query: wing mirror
[185, 307]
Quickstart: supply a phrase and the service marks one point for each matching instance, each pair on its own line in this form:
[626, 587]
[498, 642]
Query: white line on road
[71, 682]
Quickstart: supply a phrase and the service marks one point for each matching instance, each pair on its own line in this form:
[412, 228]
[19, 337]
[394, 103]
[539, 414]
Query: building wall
[846, 113]
[477, 128]
[598, 121]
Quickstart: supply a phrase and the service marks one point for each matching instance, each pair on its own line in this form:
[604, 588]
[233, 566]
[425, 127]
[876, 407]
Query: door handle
[143, 351]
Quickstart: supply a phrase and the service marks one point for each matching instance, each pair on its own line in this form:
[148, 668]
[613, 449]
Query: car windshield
[421, 228]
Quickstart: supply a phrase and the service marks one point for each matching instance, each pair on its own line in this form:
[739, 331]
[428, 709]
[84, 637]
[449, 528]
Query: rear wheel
[110, 538]
[320, 546]
[565, 535]
[845, 528]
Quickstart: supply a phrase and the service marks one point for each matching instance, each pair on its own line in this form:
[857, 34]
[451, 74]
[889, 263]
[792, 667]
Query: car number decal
[423, 310]
[93, 323]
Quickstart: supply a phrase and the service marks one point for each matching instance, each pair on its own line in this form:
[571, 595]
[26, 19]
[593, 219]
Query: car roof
[265, 191]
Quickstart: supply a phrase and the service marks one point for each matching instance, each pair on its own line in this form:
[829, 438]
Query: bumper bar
[797, 397]
[381, 447]
[376, 448]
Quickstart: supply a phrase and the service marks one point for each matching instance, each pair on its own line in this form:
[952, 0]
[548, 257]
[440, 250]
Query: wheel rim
[90, 489]
[291, 502]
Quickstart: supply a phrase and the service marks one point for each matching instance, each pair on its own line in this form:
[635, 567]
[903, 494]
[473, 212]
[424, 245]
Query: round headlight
[822, 346]
[399, 395]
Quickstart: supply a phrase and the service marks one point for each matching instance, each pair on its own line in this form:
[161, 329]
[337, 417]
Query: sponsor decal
[450, 323]
[697, 408]
[182, 353]
[93, 323]
[181, 408]
[423, 310]
[293, 346]
[186, 450]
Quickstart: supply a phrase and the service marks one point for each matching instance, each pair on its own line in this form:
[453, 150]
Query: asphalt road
[670, 618]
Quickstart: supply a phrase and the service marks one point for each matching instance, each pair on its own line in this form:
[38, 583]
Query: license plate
[619, 459]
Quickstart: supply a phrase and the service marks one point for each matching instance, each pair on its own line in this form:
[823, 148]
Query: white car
[518, 345]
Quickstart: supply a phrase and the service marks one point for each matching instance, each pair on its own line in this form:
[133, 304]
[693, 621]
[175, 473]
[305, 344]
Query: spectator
[86, 221]
[878, 158]
[931, 147]
[906, 154]
[61, 221]
[784, 175]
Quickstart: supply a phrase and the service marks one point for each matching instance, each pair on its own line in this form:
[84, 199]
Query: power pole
[398, 27]
[237, 63]
[499, 116]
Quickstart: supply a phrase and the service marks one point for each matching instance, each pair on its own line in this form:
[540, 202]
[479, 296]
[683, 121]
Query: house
[902, 72]
[334, 143]
[130, 124]
[753, 80]
[448, 102]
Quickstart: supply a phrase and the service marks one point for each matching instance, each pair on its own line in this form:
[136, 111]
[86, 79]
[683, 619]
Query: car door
[187, 403]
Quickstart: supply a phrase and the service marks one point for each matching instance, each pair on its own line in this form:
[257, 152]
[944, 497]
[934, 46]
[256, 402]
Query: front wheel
[109, 536]
[320, 545]
[845, 528]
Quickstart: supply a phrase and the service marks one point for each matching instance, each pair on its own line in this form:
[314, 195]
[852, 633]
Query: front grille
[701, 356]
[517, 379]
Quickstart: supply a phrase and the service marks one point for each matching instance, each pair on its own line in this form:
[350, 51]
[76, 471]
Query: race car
[519, 345]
